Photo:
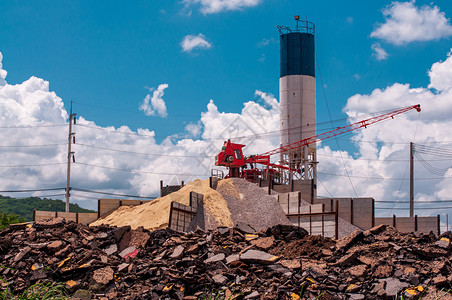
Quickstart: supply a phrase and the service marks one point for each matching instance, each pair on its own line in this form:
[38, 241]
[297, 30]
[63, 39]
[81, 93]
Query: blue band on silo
[297, 55]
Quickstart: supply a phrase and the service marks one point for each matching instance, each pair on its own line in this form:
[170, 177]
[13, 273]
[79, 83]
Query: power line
[32, 190]
[35, 165]
[329, 114]
[42, 196]
[29, 146]
[403, 208]
[436, 201]
[380, 178]
[366, 159]
[114, 194]
[32, 126]
[141, 153]
[136, 171]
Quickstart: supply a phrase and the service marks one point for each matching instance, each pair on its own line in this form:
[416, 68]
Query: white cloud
[441, 74]
[265, 42]
[405, 23]
[157, 104]
[3, 73]
[31, 103]
[194, 129]
[216, 6]
[349, 20]
[191, 42]
[383, 149]
[379, 52]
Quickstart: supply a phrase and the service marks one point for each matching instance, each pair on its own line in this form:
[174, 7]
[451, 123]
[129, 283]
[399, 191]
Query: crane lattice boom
[337, 131]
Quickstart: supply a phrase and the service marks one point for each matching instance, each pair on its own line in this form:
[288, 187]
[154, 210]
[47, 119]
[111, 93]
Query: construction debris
[280, 262]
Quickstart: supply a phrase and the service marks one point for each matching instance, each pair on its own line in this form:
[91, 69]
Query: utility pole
[70, 155]
[411, 179]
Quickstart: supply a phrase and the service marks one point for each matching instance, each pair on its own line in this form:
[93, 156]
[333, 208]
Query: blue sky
[105, 54]
[112, 57]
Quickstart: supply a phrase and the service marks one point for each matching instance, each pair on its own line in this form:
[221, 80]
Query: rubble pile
[281, 262]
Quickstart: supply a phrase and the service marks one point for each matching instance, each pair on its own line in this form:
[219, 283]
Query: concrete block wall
[384, 220]
[363, 212]
[406, 224]
[292, 203]
[86, 218]
[412, 224]
[106, 206]
[82, 218]
[68, 216]
[427, 224]
[357, 211]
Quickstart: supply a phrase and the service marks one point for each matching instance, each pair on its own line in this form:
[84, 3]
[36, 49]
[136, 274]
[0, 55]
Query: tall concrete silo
[297, 95]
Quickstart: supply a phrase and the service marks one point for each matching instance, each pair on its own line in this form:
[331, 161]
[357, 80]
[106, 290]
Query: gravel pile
[250, 204]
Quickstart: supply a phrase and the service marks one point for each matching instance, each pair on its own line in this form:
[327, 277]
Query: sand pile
[155, 214]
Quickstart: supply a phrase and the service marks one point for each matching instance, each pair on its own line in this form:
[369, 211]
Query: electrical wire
[318, 179]
[35, 165]
[430, 168]
[42, 196]
[436, 201]
[32, 126]
[141, 153]
[114, 194]
[380, 178]
[136, 171]
[84, 196]
[30, 146]
[402, 208]
[32, 190]
[329, 114]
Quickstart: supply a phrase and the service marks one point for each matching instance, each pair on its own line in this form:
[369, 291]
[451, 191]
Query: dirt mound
[313, 246]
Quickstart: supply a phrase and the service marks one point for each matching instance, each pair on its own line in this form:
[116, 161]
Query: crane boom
[232, 156]
[335, 132]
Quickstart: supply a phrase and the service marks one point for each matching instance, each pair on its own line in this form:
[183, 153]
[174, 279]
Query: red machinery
[231, 155]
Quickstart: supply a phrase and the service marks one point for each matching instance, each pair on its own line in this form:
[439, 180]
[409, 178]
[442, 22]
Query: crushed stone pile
[281, 262]
[250, 204]
[154, 215]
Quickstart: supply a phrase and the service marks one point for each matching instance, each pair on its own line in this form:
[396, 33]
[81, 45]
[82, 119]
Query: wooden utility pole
[411, 179]
[70, 155]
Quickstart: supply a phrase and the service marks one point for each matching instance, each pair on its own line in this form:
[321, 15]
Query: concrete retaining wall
[82, 218]
[357, 211]
[106, 206]
[412, 224]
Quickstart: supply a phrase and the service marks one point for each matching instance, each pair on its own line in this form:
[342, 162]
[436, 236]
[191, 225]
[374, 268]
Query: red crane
[231, 155]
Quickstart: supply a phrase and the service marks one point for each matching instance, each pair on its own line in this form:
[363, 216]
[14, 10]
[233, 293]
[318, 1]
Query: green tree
[6, 219]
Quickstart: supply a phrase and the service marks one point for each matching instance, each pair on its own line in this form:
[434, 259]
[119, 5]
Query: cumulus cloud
[406, 23]
[3, 73]
[441, 74]
[378, 168]
[155, 105]
[216, 6]
[114, 160]
[194, 129]
[191, 42]
[379, 52]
